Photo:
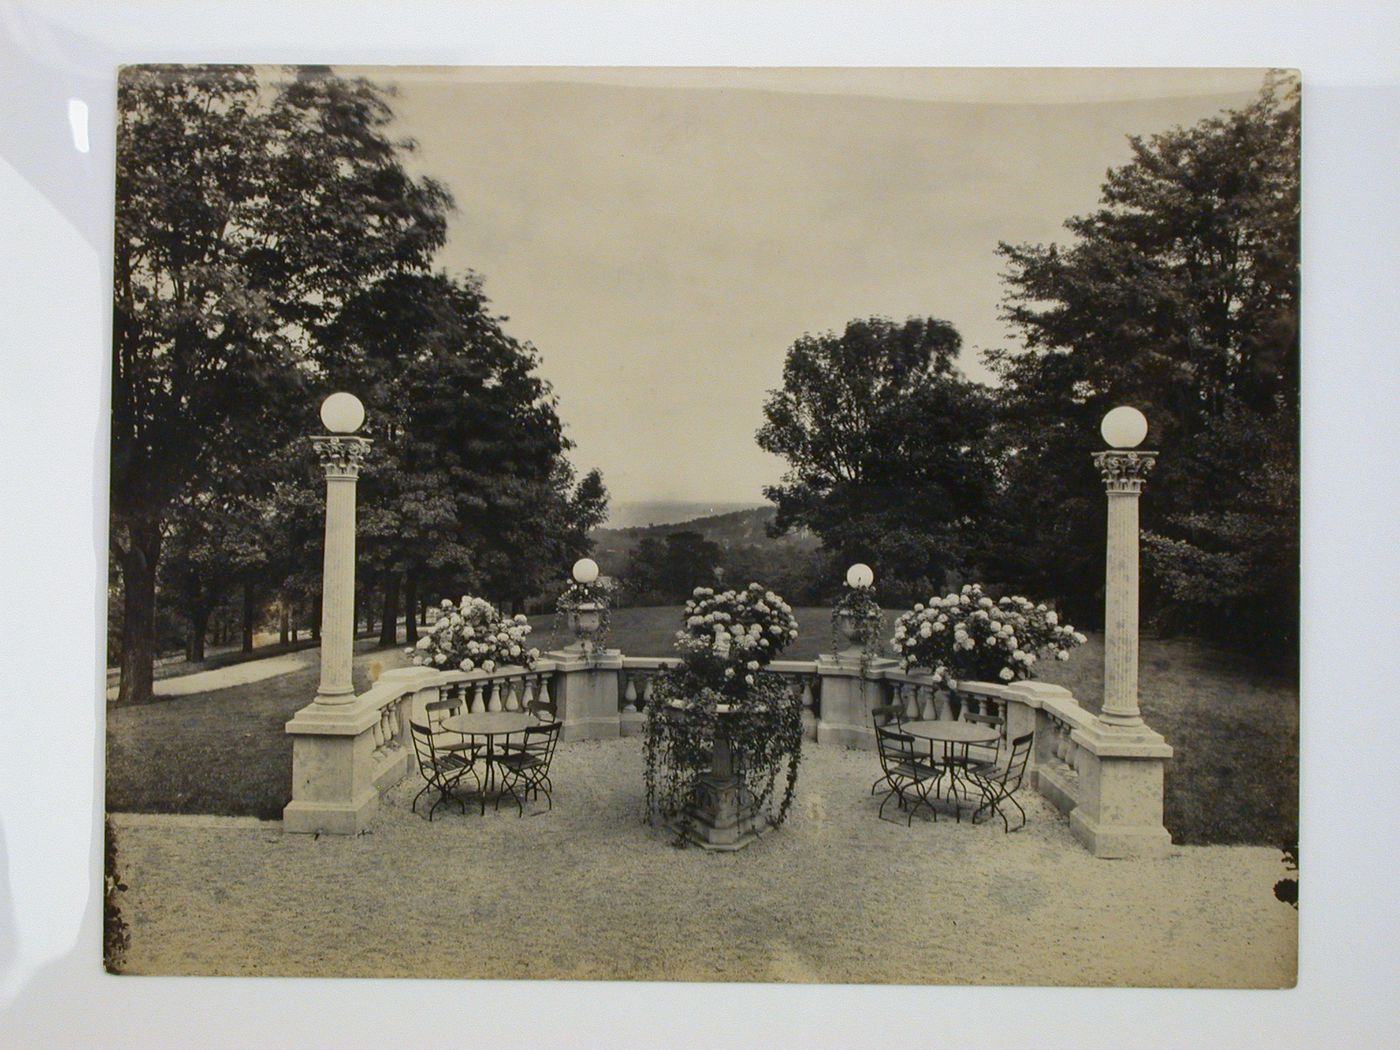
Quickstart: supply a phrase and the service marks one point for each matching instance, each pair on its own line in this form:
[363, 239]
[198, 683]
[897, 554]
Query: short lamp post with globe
[1124, 468]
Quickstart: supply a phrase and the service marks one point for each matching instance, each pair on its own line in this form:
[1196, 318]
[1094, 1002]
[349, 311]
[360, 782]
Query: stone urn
[853, 629]
[586, 620]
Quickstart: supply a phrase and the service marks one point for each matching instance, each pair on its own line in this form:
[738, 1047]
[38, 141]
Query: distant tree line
[271, 247]
[1179, 295]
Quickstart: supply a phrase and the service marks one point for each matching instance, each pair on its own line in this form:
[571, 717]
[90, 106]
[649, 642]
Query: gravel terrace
[589, 891]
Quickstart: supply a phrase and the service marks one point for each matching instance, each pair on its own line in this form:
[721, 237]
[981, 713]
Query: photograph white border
[54, 299]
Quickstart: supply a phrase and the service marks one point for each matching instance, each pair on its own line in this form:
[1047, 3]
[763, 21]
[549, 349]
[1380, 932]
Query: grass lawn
[1234, 778]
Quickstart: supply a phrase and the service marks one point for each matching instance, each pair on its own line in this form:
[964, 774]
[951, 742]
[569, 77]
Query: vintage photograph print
[748, 525]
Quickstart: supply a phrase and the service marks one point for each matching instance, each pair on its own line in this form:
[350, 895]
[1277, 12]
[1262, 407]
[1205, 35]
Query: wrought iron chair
[527, 767]
[883, 717]
[437, 711]
[999, 784]
[441, 769]
[908, 771]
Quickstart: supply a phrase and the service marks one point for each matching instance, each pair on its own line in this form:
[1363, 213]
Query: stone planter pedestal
[723, 815]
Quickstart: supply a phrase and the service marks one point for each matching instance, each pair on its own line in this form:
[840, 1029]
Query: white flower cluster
[473, 634]
[968, 636]
[743, 628]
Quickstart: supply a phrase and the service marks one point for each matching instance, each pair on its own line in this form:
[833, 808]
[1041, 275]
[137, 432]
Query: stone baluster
[648, 684]
[512, 700]
[909, 692]
[544, 693]
[493, 702]
[809, 706]
[629, 695]
[478, 698]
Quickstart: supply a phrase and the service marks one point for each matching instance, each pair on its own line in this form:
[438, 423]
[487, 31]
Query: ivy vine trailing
[721, 690]
[857, 604]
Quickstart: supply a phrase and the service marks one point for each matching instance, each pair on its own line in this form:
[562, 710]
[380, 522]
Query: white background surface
[54, 319]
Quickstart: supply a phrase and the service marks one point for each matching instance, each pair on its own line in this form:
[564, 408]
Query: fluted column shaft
[1124, 473]
[341, 457]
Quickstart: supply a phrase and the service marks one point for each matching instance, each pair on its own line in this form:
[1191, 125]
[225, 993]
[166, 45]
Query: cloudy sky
[662, 236]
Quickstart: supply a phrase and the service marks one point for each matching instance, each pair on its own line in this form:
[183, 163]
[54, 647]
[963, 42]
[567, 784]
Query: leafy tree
[1180, 295]
[246, 218]
[887, 447]
[668, 570]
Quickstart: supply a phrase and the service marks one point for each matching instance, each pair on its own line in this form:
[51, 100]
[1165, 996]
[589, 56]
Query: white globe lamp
[585, 570]
[860, 575]
[1124, 427]
[342, 413]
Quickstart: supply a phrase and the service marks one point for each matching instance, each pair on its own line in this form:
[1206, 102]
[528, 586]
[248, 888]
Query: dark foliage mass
[1179, 295]
[271, 247]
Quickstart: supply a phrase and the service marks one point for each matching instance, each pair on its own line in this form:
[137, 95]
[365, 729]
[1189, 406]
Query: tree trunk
[389, 623]
[139, 612]
[316, 618]
[284, 621]
[410, 609]
[199, 633]
[248, 616]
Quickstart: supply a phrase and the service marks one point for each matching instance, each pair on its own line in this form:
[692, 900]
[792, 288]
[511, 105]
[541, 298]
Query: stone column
[341, 456]
[1123, 473]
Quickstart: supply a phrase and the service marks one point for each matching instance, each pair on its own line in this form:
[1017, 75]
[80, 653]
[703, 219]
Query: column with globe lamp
[341, 454]
[346, 749]
[1124, 468]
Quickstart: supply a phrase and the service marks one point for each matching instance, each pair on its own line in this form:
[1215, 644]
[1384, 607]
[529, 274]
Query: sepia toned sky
[663, 235]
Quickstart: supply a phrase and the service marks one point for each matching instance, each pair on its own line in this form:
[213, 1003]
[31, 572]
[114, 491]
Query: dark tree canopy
[1179, 295]
[887, 451]
[271, 246]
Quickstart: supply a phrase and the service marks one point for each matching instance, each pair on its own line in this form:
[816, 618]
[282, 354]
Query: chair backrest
[1016, 764]
[541, 739]
[542, 709]
[895, 747]
[423, 745]
[886, 714]
[435, 711]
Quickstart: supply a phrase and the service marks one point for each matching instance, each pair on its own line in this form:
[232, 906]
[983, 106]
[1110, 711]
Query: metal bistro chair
[527, 767]
[908, 771]
[441, 769]
[1000, 783]
[882, 718]
[453, 703]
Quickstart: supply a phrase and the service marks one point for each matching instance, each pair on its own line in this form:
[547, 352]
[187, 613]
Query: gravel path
[588, 891]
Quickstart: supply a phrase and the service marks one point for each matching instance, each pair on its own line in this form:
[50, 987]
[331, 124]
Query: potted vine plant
[857, 621]
[966, 636]
[720, 728]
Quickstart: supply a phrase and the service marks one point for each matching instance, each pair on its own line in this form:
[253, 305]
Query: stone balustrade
[1107, 779]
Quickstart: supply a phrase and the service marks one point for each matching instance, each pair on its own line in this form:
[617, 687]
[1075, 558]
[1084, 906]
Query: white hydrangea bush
[473, 635]
[741, 629]
[969, 637]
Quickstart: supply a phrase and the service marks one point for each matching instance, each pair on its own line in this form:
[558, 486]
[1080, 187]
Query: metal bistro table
[952, 735]
[490, 725]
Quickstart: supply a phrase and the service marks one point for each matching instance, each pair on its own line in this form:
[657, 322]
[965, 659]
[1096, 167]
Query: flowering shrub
[969, 636]
[735, 633]
[473, 634]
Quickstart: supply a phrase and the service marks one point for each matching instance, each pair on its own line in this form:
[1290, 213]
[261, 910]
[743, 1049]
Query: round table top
[951, 732]
[488, 723]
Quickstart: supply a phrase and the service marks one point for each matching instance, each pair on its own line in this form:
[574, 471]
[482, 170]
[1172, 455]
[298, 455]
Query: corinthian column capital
[1124, 470]
[341, 454]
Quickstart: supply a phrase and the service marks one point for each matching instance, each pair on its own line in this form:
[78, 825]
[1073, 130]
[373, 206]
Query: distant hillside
[740, 528]
[668, 512]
